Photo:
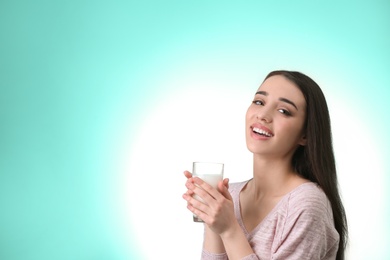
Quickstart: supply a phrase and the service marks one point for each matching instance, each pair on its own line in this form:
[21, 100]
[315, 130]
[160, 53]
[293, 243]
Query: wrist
[212, 241]
[231, 232]
[236, 243]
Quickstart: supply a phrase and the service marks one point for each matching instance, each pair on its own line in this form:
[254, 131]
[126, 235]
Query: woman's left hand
[216, 209]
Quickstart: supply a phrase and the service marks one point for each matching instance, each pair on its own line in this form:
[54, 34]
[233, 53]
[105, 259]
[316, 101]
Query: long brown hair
[315, 161]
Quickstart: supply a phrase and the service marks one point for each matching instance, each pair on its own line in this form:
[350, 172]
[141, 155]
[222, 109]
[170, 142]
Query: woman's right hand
[216, 205]
[189, 175]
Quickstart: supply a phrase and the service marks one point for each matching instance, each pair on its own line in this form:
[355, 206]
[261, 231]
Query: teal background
[76, 77]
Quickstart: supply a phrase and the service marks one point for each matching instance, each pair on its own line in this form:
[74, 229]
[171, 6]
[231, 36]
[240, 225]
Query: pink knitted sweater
[300, 227]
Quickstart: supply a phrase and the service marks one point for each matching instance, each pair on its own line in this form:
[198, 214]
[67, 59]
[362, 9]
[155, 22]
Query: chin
[255, 149]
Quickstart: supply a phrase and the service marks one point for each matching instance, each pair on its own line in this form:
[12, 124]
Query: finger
[189, 192]
[224, 183]
[187, 174]
[189, 181]
[200, 214]
[225, 192]
[196, 203]
[195, 189]
[205, 188]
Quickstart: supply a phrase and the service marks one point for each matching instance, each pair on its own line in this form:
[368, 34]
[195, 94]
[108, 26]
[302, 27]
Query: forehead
[280, 87]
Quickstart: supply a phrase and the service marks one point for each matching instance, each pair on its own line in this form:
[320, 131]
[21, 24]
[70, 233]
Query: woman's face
[275, 119]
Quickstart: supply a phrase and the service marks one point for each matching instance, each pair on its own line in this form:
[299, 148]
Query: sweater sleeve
[213, 256]
[210, 256]
[308, 231]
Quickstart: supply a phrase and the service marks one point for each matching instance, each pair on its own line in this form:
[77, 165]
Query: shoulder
[309, 206]
[306, 222]
[308, 188]
[309, 197]
[236, 187]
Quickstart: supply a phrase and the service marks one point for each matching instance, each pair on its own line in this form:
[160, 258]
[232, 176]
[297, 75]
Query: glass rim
[198, 162]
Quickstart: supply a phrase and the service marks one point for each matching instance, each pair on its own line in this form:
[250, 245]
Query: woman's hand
[216, 208]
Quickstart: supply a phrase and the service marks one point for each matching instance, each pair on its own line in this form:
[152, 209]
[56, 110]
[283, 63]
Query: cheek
[248, 121]
[294, 130]
[249, 112]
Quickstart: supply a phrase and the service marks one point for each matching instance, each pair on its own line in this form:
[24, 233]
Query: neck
[272, 177]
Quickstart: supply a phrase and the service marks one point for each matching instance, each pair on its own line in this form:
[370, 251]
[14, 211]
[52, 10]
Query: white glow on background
[204, 123]
[360, 166]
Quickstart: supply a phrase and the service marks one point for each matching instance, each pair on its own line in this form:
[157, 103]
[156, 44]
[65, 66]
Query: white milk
[212, 180]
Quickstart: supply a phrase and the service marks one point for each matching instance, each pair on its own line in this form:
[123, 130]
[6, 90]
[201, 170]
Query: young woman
[291, 208]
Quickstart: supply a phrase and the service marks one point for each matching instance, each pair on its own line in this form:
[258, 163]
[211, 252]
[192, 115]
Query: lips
[260, 131]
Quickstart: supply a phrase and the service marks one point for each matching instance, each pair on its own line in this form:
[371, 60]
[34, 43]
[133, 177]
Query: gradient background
[103, 104]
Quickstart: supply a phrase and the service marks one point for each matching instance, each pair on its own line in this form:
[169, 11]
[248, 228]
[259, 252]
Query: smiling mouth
[261, 132]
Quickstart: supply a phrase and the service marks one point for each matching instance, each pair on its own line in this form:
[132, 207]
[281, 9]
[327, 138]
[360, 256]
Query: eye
[285, 112]
[258, 102]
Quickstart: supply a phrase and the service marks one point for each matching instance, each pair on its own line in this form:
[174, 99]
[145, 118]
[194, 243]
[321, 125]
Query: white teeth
[261, 131]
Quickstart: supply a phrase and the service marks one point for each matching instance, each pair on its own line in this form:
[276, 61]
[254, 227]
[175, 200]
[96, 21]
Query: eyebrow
[265, 93]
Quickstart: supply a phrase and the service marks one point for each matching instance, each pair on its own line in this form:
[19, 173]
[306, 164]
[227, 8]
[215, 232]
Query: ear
[303, 141]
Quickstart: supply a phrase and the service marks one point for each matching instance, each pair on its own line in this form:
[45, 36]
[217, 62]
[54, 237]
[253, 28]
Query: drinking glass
[209, 172]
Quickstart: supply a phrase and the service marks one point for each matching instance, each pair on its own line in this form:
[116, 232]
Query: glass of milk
[209, 172]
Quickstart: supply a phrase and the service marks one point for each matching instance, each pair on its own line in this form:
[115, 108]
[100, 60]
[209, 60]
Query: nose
[264, 114]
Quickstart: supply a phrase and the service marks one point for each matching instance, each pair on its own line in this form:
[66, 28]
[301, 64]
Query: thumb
[223, 188]
[226, 182]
